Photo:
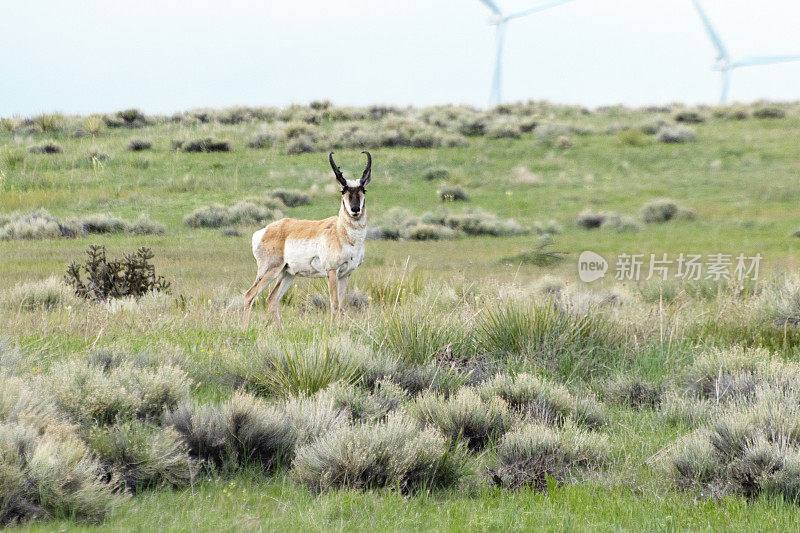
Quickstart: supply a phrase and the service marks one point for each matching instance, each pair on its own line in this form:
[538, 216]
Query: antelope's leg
[343, 292]
[333, 288]
[273, 300]
[252, 293]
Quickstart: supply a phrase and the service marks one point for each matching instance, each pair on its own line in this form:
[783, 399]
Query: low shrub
[144, 456]
[300, 145]
[634, 392]
[672, 135]
[104, 223]
[50, 293]
[240, 432]
[689, 117]
[663, 210]
[364, 406]
[51, 475]
[452, 193]
[769, 112]
[391, 454]
[528, 456]
[465, 417]
[779, 300]
[312, 417]
[205, 145]
[504, 130]
[138, 145]
[588, 219]
[523, 175]
[242, 213]
[132, 275]
[631, 137]
[544, 401]
[262, 140]
[146, 226]
[46, 148]
[290, 197]
[436, 174]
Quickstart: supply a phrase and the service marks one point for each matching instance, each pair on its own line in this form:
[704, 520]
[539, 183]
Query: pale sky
[100, 55]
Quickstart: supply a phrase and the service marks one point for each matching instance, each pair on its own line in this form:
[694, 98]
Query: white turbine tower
[500, 21]
[723, 61]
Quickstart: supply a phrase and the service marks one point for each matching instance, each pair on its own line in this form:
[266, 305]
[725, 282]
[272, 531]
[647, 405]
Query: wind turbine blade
[494, 7]
[535, 9]
[497, 80]
[764, 60]
[726, 85]
[723, 53]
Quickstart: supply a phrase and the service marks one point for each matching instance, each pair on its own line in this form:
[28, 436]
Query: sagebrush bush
[452, 193]
[290, 197]
[138, 145]
[679, 134]
[544, 401]
[750, 448]
[144, 225]
[465, 417]
[769, 112]
[144, 456]
[504, 130]
[527, 456]
[663, 210]
[241, 213]
[300, 145]
[51, 475]
[588, 219]
[779, 300]
[365, 406]
[395, 454]
[46, 148]
[262, 140]
[633, 392]
[94, 395]
[206, 145]
[104, 223]
[631, 137]
[689, 117]
[50, 293]
[436, 174]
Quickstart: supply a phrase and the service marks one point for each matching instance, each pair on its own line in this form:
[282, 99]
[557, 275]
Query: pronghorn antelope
[332, 248]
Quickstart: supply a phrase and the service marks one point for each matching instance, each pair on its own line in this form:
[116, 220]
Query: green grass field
[711, 353]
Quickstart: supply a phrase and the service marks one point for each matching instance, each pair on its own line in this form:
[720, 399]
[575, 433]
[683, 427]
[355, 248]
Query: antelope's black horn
[336, 171]
[367, 171]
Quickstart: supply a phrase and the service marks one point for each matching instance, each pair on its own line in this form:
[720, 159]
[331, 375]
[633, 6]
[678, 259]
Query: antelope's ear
[337, 172]
[367, 175]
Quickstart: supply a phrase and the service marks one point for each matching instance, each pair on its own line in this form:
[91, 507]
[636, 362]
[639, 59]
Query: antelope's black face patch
[353, 198]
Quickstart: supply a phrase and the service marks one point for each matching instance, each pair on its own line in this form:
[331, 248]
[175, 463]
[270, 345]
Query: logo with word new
[591, 266]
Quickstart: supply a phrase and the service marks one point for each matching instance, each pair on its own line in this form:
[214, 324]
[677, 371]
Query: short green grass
[741, 177]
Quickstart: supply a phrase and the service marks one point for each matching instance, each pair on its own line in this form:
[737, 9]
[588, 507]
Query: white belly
[305, 258]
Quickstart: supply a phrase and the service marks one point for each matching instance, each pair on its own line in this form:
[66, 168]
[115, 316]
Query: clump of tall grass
[529, 455]
[673, 135]
[262, 140]
[419, 336]
[544, 401]
[550, 334]
[465, 416]
[395, 453]
[452, 193]
[127, 118]
[663, 210]
[436, 174]
[632, 137]
[50, 293]
[504, 129]
[295, 366]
